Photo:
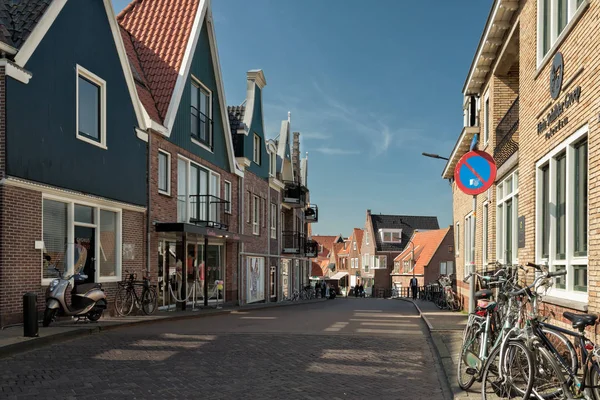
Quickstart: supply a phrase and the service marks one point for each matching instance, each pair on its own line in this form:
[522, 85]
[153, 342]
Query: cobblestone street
[341, 349]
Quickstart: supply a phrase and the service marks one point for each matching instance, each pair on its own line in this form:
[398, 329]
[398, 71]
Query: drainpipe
[241, 230]
[148, 207]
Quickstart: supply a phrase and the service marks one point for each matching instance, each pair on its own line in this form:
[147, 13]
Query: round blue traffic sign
[475, 172]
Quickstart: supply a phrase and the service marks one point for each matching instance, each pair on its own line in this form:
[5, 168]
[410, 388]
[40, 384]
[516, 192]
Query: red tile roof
[316, 269]
[357, 235]
[326, 242]
[425, 246]
[160, 31]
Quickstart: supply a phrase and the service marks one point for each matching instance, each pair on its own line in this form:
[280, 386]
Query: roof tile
[425, 246]
[18, 19]
[408, 224]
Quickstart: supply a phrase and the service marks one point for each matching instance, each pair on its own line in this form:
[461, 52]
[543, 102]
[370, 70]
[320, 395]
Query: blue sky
[370, 85]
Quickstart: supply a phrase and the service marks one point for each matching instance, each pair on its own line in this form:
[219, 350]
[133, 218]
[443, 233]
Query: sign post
[474, 174]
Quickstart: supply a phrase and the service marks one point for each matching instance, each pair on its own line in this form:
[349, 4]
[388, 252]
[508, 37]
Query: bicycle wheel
[549, 376]
[469, 357]
[564, 347]
[149, 301]
[124, 301]
[509, 376]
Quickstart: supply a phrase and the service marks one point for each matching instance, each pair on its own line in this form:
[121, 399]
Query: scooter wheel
[49, 314]
[95, 314]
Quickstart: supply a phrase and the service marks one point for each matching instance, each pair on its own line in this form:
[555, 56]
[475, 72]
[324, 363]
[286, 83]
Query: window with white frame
[553, 18]
[446, 268]
[457, 239]
[367, 239]
[164, 172]
[66, 222]
[273, 164]
[366, 262]
[486, 116]
[354, 245]
[274, 221]
[257, 147]
[255, 215]
[201, 114]
[196, 186]
[469, 243]
[227, 189]
[406, 266]
[91, 107]
[562, 214]
[391, 235]
[507, 196]
[484, 235]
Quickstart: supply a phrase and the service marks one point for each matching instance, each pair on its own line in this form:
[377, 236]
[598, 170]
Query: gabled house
[194, 175]
[72, 149]
[428, 255]
[354, 256]
[386, 236]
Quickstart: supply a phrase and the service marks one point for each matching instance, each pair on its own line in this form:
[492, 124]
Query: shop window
[562, 234]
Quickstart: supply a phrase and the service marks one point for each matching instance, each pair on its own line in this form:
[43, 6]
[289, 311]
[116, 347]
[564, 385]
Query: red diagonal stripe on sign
[475, 173]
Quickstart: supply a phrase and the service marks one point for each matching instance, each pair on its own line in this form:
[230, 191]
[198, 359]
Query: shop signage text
[555, 113]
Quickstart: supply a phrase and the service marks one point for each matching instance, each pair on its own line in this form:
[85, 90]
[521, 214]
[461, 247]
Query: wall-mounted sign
[475, 172]
[553, 117]
[521, 232]
[556, 75]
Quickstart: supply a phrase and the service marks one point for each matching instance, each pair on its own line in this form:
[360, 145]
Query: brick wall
[443, 254]
[2, 122]
[164, 207]
[255, 186]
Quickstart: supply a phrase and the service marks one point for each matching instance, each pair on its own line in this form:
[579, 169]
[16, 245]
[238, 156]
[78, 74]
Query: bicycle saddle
[483, 294]
[580, 321]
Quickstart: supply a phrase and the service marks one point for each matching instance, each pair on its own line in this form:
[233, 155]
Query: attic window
[391, 235]
[272, 163]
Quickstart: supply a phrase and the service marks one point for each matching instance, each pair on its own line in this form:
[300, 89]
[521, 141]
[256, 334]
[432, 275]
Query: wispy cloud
[315, 135]
[333, 151]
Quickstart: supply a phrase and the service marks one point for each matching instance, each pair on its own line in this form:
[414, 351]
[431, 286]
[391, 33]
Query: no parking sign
[475, 172]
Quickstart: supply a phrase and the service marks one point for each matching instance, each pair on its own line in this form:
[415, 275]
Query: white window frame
[226, 184]
[485, 234]
[366, 262]
[469, 243]
[188, 166]
[202, 86]
[273, 164]
[255, 215]
[502, 198]
[256, 150]
[367, 239]
[382, 233]
[570, 259]
[354, 245]
[274, 221]
[84, 73]
[71, 223]
[167, 172]
[487, 118]
[457, 239]
[556, 37]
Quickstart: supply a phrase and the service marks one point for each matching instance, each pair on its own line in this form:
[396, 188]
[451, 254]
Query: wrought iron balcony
[294, 194]
[312, 213]
[209, 211]
[293, 242]
[311, 248]
[507, 135]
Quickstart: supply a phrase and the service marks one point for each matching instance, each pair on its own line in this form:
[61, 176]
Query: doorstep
[12, 340]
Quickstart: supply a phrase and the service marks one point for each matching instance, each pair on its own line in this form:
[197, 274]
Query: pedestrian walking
[414, 284]
[323, 289]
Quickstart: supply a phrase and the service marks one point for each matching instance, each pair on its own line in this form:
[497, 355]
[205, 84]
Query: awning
[200, 230]
[339, 276]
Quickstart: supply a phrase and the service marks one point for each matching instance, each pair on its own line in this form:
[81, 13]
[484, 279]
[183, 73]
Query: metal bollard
[30, 315]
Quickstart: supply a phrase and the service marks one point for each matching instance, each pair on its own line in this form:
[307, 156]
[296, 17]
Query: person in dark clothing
[414, 284]
[323, 288]
[362, 290]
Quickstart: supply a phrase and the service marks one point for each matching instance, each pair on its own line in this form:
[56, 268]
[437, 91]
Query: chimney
[368, 212]
[296, 155]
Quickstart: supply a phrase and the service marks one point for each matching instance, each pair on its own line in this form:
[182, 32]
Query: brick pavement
[342, 349]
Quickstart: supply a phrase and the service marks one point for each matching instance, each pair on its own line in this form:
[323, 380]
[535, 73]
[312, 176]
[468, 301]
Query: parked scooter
[88, 300]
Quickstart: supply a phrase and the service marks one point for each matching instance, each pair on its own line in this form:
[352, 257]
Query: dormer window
[354, 245]
[391, 235]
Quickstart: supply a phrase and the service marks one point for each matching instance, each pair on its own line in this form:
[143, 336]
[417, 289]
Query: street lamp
[435, 156]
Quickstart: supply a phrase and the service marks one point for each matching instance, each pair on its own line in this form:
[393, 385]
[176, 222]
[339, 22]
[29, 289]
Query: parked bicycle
[127, 296]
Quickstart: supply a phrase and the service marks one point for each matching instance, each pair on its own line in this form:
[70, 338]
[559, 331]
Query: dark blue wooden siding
[202, 69]
[261, 170]
[41, 116]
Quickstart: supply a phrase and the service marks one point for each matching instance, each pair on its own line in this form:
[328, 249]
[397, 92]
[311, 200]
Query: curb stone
[34, 343]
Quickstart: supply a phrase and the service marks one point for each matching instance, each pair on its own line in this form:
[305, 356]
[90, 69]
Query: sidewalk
[12, 340]
[446, 330]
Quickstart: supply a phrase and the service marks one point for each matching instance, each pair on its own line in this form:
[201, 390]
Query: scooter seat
[86, 287]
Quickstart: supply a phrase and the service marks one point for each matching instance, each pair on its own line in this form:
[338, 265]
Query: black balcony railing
[312, 213]
[311, 248]
[294, 194]
[507, 134]
[209, 211]
[293, 242]
[202, 128]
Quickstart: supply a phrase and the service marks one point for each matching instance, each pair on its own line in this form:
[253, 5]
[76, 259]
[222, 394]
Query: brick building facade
[535, 83]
